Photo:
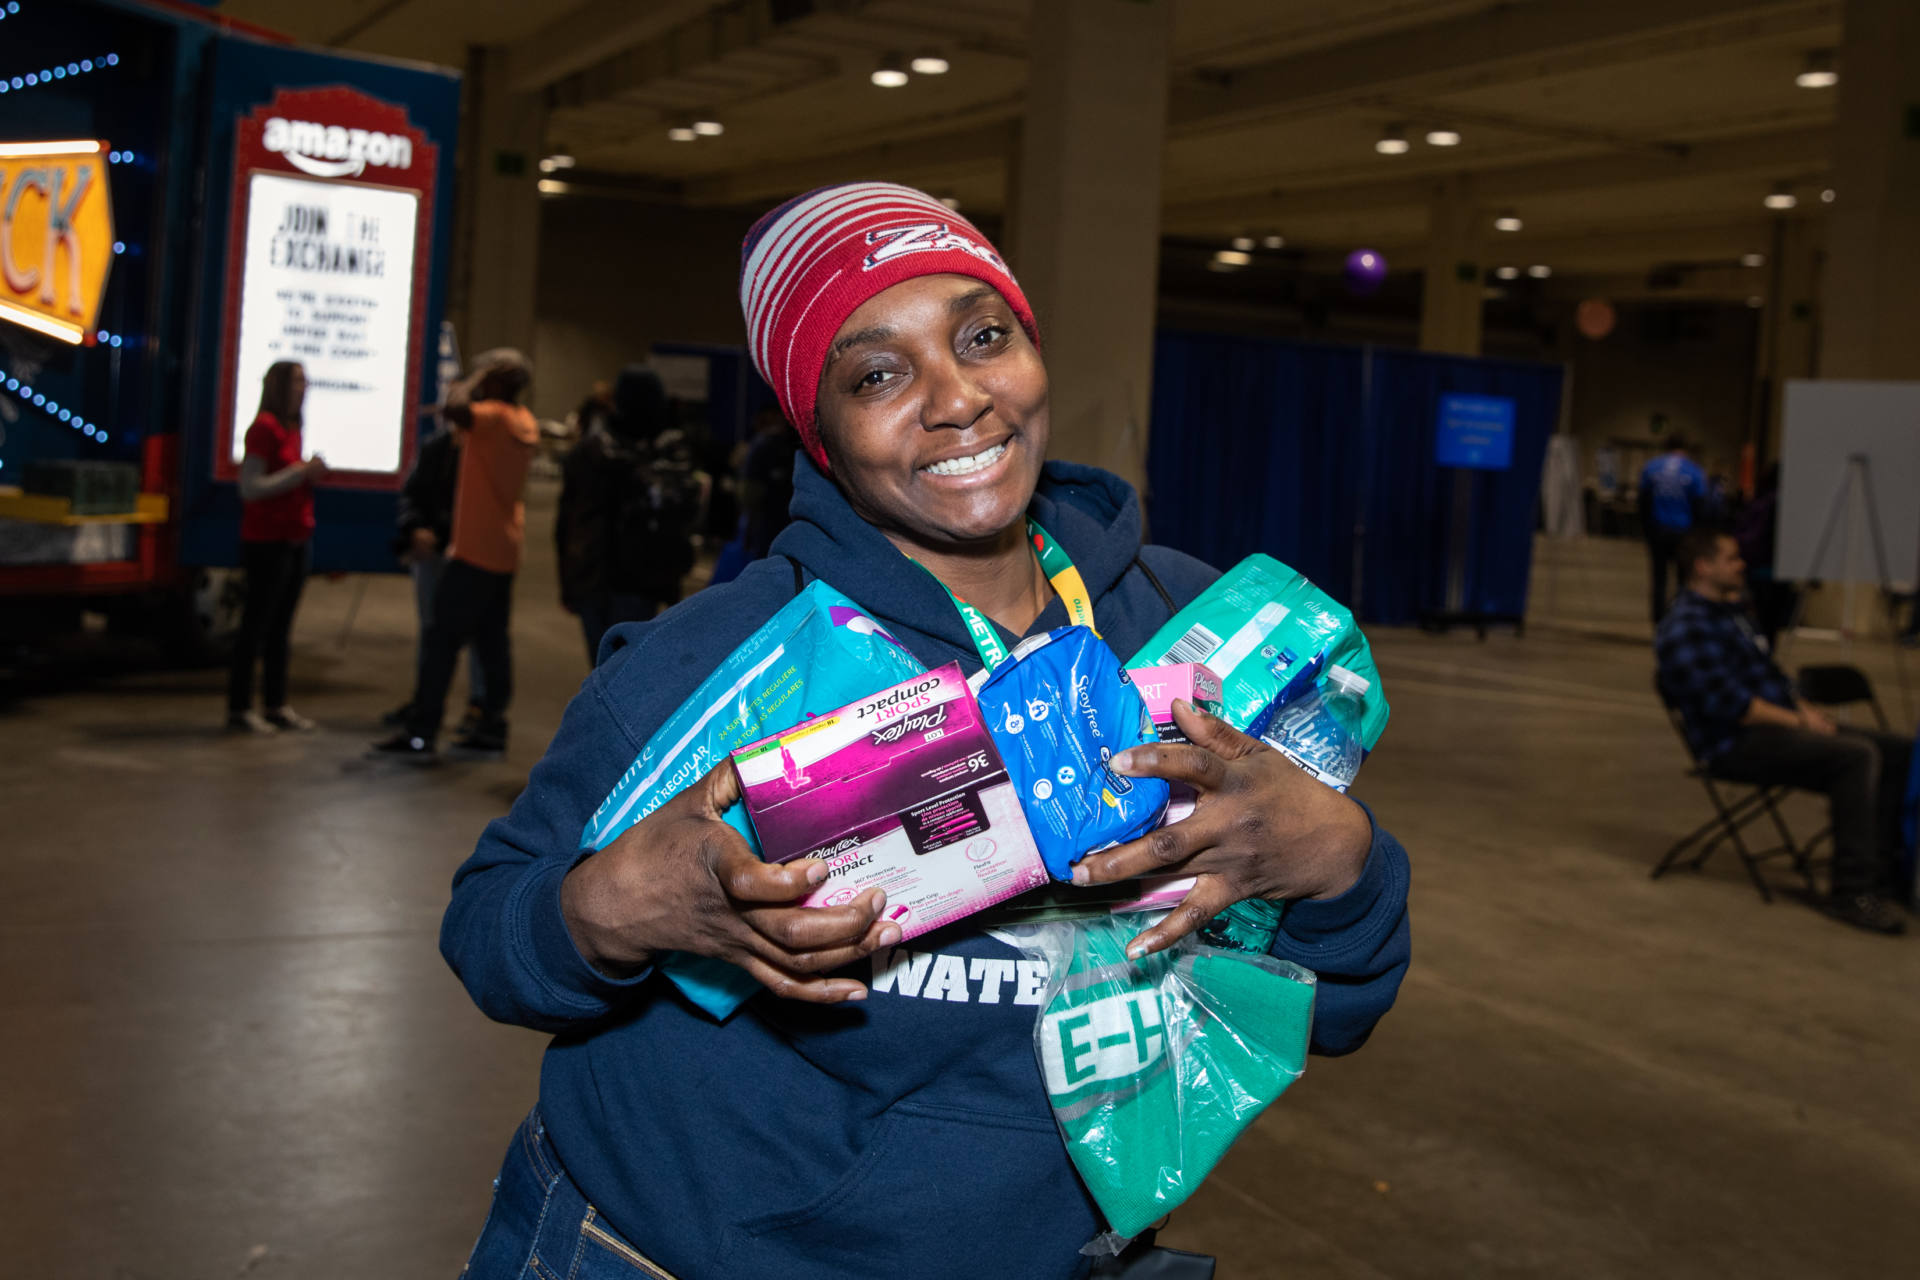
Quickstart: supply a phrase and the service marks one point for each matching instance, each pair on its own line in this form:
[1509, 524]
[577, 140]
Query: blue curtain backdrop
[1323, 457]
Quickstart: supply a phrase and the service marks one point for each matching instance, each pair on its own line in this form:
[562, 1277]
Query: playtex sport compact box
[1161, 687]
[902, 791]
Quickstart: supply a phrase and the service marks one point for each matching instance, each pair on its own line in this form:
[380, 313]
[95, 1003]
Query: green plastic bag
[1155, 1066]
[1257, 626]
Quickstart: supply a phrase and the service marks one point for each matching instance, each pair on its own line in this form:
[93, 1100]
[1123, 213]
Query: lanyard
[1067, 584]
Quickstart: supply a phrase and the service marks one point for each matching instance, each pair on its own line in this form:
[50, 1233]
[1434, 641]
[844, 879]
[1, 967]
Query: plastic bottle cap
[1348, 682]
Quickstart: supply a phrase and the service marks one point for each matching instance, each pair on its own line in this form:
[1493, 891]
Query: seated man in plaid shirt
[1745, 723]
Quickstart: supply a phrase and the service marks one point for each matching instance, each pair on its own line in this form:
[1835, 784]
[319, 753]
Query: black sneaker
[405, 747]
[1867, 911]
[398, 717]
[482, 742]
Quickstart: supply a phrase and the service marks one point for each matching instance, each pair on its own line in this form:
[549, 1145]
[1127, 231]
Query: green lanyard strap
[1067, 584]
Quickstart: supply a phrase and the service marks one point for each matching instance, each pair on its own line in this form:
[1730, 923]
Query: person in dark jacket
[423, 528]
[766, 481]
[1673, 498]
[628, 502]
[878, 1110]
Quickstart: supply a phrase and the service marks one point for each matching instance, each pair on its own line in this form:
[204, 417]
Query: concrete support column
[1452, 295]
[1086, 219]
[497, 233]
[1790, 327]
[1872, 313]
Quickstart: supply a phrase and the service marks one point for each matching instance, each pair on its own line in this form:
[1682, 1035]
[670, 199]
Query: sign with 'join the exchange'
[329, 247]
[56, 236]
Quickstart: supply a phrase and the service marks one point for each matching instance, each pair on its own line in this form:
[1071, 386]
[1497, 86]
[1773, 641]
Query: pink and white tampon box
[1161, 686]
[902, 791]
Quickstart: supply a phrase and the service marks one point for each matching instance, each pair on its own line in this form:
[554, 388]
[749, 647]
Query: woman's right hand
[680, 879]
[316, 467]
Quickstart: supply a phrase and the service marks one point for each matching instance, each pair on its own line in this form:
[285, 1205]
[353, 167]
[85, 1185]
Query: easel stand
[1854, 494]
[1456, 613]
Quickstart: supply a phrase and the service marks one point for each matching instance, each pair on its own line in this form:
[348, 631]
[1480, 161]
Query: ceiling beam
[1773, 154]
[892, 160]
[1504, 45]
[1598, 251]
[1510, 44]
[592, 33]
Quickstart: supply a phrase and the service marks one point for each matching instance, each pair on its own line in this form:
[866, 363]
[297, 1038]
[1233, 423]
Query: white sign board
[1826, 423]
[328, 282]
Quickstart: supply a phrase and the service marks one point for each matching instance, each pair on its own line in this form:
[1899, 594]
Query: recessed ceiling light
[682, 133]
[1392, 141]
[891, 73]
[1826, 196]
[1443, 137]
[1817, 72]
[1243, 243]
[557, 161]
[1507, 221]
[1781, 197]
[952, 202]
[549, 187]
[1539, 271]
[709, 128]
[930, 64]
[1273, 242]
[1753, 259]
[1232, 258]
[1507, 273]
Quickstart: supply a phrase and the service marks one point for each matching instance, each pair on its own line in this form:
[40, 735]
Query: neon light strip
[20, 150]
[34, 320]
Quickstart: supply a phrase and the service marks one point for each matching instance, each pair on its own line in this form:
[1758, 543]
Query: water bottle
[1313, 732]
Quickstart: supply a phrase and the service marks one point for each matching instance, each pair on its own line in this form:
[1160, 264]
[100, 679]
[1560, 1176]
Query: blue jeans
[426, 573]
[542, 1228]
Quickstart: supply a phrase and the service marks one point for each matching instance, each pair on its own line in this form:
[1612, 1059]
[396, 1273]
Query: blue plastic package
[818, 653]
[1059, 709]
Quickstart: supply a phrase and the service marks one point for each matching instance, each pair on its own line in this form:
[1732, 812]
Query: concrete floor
[233, 1049]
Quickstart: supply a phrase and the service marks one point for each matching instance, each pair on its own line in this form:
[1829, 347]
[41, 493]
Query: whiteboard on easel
[1825, 424]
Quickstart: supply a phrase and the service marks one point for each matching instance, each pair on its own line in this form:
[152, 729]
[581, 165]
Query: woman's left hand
[1262, 828]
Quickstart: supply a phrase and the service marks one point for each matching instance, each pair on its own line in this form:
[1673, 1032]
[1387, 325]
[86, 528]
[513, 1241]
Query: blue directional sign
[1474, 431]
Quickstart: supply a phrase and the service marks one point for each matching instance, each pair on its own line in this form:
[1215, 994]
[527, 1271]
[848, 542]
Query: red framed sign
[329, 241]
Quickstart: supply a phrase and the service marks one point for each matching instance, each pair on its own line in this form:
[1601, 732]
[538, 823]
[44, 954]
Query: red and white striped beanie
[809, 264]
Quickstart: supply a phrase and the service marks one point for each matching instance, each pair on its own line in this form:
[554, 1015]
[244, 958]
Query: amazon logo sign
[56, 236]
[335, 151]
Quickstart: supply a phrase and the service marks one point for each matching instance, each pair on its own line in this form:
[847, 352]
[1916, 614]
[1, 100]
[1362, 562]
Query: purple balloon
[1366, 270]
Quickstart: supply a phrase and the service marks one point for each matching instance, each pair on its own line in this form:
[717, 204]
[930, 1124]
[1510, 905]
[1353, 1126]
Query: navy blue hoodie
[904, 1135]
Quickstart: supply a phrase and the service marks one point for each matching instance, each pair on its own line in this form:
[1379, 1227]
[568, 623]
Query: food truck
[183, 201]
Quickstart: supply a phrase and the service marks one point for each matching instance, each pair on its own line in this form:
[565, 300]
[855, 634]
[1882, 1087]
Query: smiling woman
[819, 1133]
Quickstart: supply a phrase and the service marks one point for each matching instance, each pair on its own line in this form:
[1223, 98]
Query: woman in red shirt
[276, 526]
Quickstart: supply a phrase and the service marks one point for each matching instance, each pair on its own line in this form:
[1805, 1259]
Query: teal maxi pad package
[818, 653]
[1257, 627]
[1059, 708]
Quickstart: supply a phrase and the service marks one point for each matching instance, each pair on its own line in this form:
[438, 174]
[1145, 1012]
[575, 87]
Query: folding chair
[1730, 817]
[1840, 685]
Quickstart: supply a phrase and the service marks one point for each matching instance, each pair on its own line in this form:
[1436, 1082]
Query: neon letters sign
[56, 236]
